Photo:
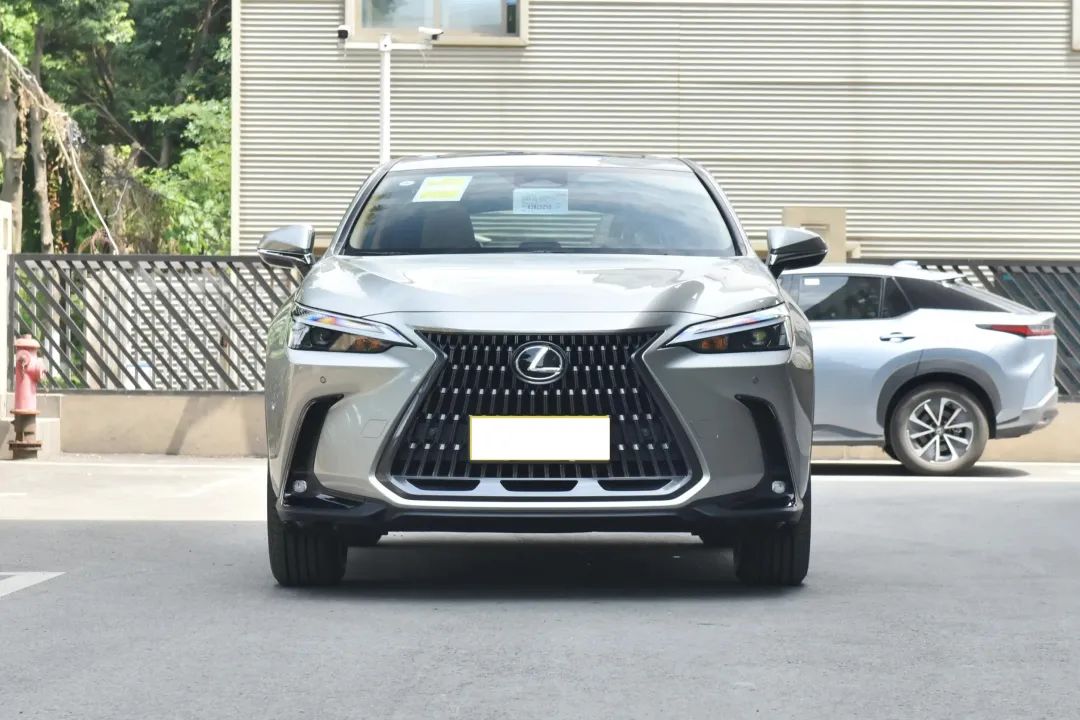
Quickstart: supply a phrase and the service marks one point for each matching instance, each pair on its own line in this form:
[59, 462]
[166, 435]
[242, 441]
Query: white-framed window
[464, 22]
[1076, 25]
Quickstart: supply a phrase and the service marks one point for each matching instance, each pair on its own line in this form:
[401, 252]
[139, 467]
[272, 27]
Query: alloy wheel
[940, 430]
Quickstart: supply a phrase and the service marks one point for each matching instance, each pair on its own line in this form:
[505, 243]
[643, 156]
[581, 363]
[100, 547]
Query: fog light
[778, 487]
[300, 486]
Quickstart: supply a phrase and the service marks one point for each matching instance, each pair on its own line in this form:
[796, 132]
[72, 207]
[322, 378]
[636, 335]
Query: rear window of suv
[541, 209]
[955, 295]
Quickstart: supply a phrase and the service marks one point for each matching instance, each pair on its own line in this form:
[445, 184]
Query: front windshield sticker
[541, 201]
[442, 188]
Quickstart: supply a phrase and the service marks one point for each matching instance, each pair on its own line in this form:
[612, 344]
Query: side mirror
[791, 248]
[290, 246]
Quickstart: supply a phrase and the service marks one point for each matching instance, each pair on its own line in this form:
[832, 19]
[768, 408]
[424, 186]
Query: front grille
[603, 377]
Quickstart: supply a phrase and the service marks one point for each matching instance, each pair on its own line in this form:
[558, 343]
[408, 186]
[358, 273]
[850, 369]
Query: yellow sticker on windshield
[442, 188]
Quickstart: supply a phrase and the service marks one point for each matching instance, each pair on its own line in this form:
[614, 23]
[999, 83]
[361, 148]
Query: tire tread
[302, 556]
[776, 556]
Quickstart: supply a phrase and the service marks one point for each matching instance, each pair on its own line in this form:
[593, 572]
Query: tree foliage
[194, 204]
[146, 83]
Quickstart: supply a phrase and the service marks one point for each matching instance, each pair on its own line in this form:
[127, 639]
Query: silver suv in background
[544, 343]
[923, 364]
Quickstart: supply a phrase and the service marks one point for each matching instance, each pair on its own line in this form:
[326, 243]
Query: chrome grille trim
[605, 376]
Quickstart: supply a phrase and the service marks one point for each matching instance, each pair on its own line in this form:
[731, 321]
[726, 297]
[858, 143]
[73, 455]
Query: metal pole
[385, 46]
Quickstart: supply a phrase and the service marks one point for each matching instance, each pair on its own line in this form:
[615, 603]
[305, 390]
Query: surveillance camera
[343, 32]
[431, 33]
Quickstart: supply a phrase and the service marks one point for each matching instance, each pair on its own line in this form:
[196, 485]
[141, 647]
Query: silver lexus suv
[538, 343]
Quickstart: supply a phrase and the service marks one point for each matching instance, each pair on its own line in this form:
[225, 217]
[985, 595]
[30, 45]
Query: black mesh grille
[602, 378]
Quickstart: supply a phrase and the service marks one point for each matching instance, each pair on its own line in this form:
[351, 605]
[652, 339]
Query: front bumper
[747, 419]
[757, 507]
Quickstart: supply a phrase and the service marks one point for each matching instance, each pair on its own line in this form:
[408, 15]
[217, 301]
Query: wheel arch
[888, 401]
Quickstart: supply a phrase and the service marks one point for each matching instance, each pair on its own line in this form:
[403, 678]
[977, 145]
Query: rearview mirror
[290, 246]
[791, 248]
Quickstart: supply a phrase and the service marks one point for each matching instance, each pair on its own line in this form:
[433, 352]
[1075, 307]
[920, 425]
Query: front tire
[777, 555]
[938, 429]
[302, 556]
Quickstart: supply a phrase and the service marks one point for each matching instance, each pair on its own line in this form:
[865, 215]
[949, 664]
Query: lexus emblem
[539, 363]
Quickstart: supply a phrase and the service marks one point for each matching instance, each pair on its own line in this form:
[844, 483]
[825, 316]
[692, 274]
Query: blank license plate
[581, 438]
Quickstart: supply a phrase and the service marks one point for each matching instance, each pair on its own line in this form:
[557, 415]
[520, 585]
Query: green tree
[146, 82]
[195, 189]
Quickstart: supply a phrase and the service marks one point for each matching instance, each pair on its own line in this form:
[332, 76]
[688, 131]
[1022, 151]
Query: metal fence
[147, 323]
[154, 323]
[1043, 285]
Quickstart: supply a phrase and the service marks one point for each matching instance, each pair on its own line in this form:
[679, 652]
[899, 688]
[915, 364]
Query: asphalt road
[957, 599]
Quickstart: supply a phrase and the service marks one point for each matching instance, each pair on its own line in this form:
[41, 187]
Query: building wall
[945, 128]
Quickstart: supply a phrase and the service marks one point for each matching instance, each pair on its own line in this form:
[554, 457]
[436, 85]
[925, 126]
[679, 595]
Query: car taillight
[1023, 330]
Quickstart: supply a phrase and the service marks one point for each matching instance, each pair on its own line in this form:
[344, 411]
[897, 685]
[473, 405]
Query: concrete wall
[223, 425]
[197, 424]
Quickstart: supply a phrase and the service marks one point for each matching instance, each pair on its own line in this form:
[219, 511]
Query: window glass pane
[995, 301]
[790, 284]
[543, 210]
[397, 13]
[474, 16]
[894, 304]
[940, 296]
[839, 297]
[512, 16]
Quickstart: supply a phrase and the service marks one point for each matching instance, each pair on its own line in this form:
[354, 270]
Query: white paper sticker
[541, 201]
[811, 281]
[442, 188]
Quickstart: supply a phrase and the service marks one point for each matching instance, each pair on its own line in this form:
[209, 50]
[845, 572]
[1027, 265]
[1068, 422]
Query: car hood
[558, 283]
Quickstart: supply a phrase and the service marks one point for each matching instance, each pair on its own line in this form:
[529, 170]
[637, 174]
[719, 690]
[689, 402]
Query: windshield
[541, 209]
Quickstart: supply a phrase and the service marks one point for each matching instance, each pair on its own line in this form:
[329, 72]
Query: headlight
[315, 330]
[753, 332]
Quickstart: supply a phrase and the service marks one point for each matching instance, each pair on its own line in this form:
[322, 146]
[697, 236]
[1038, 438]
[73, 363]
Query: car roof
[538, 159]
[905, 270]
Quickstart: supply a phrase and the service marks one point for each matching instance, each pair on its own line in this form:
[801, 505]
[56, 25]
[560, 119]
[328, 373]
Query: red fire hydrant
[28, 371]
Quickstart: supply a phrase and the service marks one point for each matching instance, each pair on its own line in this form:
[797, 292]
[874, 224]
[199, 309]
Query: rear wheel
[777, 555]
[302, 555]
[938, 429]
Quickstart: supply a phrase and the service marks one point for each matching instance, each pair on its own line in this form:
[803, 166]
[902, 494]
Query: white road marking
[1021, 479]
[16, 581]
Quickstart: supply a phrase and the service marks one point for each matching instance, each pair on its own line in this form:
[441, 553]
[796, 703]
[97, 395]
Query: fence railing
[181, 323]
[147, 323]
[1039, 284]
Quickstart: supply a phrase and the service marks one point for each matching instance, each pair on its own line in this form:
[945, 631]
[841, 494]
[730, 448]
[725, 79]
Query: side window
[893, 302]
[928, 294]
[790, 284]
[839, 297]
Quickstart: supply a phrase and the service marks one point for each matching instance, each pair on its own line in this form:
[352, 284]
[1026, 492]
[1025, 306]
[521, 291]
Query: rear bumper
[1031, 419]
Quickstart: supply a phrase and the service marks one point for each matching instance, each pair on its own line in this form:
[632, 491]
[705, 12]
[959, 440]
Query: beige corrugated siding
[945, 127]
